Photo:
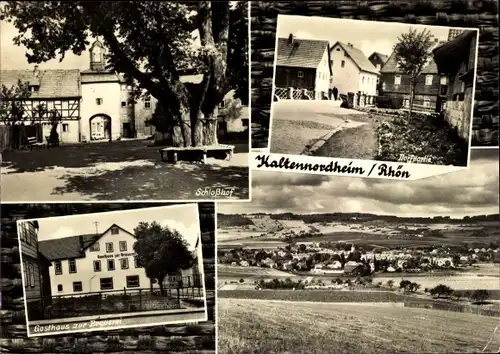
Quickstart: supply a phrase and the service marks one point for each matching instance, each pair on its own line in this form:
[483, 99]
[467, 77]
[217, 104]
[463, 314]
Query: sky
[183, 218]
[369, 36]
[473, 191]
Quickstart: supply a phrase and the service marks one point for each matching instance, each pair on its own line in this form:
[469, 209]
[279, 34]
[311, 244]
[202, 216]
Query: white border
[445, 169]
[216, 288]
[249, 56]
[200, 251]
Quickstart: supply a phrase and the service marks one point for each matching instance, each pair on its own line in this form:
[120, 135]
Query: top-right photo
[373, 90]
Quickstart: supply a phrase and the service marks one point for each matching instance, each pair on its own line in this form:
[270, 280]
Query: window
[362, 79]
[428, 80]
[111, 264]
[443, 80]
[65, 127]
[77, 286]
[342, 63]
[35, 88]
[129, 87]
[59, 287]
[31, 273]
[106, 283]
[72, 266]
[97, 266]
[338, 49]
[123, 245]
[123, 87]
[377, 66]
[109, 247]
[114, 231]
[147, 102]
[58, 267]
[300, 73]
[25, 271]
[397, 80]
[136, 263]
[462, 86]
[124, 263]
[95, 247]
[124, 104]
[98, 101]
[133, 281]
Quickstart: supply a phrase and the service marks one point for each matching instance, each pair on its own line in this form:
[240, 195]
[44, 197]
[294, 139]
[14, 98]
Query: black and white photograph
[369, 90]
[324, 264]
[124, 101]
[112, 270]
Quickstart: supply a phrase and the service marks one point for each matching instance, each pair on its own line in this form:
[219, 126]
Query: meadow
[247, 326]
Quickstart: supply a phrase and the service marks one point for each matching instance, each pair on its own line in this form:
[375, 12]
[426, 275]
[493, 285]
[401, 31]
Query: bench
[33, 143]
[51, 142]
[196, 153]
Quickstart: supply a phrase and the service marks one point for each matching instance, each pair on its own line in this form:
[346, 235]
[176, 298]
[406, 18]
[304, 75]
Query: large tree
[152, 44]
[161, 251]
[412, 53]
[12, 102]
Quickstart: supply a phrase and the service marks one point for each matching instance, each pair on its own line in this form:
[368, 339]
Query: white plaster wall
[110, 93]
[85, 268]
[323, 74]
[369, 84]
[346, 79]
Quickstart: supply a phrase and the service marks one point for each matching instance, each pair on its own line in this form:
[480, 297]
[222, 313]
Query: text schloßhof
[380, 169]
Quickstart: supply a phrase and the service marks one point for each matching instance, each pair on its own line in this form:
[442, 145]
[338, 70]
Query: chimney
[290, 39]
[80, 239]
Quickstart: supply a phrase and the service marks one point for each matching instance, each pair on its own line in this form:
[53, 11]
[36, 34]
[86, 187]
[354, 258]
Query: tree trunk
[162, 291]
[181, 132]
[210, 128]
[412, 95]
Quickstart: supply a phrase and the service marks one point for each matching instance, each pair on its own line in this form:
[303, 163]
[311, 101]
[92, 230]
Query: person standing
[335, 92]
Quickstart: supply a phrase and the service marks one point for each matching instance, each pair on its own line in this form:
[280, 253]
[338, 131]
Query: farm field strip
[278, 327]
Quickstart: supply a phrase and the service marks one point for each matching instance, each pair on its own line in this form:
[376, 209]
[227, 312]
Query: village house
[303, 64]
[35, 267]
[456, 60]
[430, 89]
[351, 70]
[102, 262]
[378, 60]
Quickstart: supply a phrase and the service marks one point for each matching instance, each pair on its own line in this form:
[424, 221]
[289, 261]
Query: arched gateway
[100, 127]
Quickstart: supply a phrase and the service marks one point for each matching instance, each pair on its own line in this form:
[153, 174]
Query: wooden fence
[290, 93]
[16, 136]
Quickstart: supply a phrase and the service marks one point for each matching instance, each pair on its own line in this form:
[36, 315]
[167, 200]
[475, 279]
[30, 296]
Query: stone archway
[100, 127]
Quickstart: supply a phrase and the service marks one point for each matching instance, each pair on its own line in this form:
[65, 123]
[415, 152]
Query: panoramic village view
[359, 260]
[405, 91]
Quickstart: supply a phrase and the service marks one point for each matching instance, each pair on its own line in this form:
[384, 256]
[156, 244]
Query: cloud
[468, 192]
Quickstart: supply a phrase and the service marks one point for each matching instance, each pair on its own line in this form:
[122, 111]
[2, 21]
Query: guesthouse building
[303, 64]
[102, 262]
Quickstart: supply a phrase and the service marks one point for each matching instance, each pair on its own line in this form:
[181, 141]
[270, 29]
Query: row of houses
[445, 84]
[94, 104]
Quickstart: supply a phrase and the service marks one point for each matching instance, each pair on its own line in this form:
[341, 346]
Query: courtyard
[118, 170]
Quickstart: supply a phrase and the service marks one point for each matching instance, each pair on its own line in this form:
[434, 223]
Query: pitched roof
[383, 57]
[358, 57]
[91, 76]
[70, 247]
[66, 247]
[391, 64]
[53, 83]
[305, 53]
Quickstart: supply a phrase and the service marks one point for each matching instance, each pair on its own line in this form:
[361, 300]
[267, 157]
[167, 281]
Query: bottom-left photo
[108, 277]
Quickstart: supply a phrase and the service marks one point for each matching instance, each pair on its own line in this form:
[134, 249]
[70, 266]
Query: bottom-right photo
[321, 264]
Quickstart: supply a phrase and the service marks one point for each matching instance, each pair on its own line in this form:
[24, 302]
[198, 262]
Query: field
[258, 327]
[314, 295]
[228, 271]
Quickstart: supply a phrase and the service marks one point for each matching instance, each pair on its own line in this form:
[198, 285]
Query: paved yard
[296, 127]
[120, 170]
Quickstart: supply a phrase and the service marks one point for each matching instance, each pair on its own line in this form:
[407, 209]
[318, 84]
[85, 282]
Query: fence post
[124, 291]
[178, 297]
[140, 299]
[290, 93]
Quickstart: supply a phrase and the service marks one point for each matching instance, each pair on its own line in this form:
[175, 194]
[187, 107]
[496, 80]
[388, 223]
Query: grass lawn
[249, 326]
[119, 170]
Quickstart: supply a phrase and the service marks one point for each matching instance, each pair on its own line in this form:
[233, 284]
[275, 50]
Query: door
[126, 130]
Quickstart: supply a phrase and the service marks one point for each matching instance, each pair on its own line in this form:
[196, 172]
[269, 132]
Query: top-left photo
[124, 101]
